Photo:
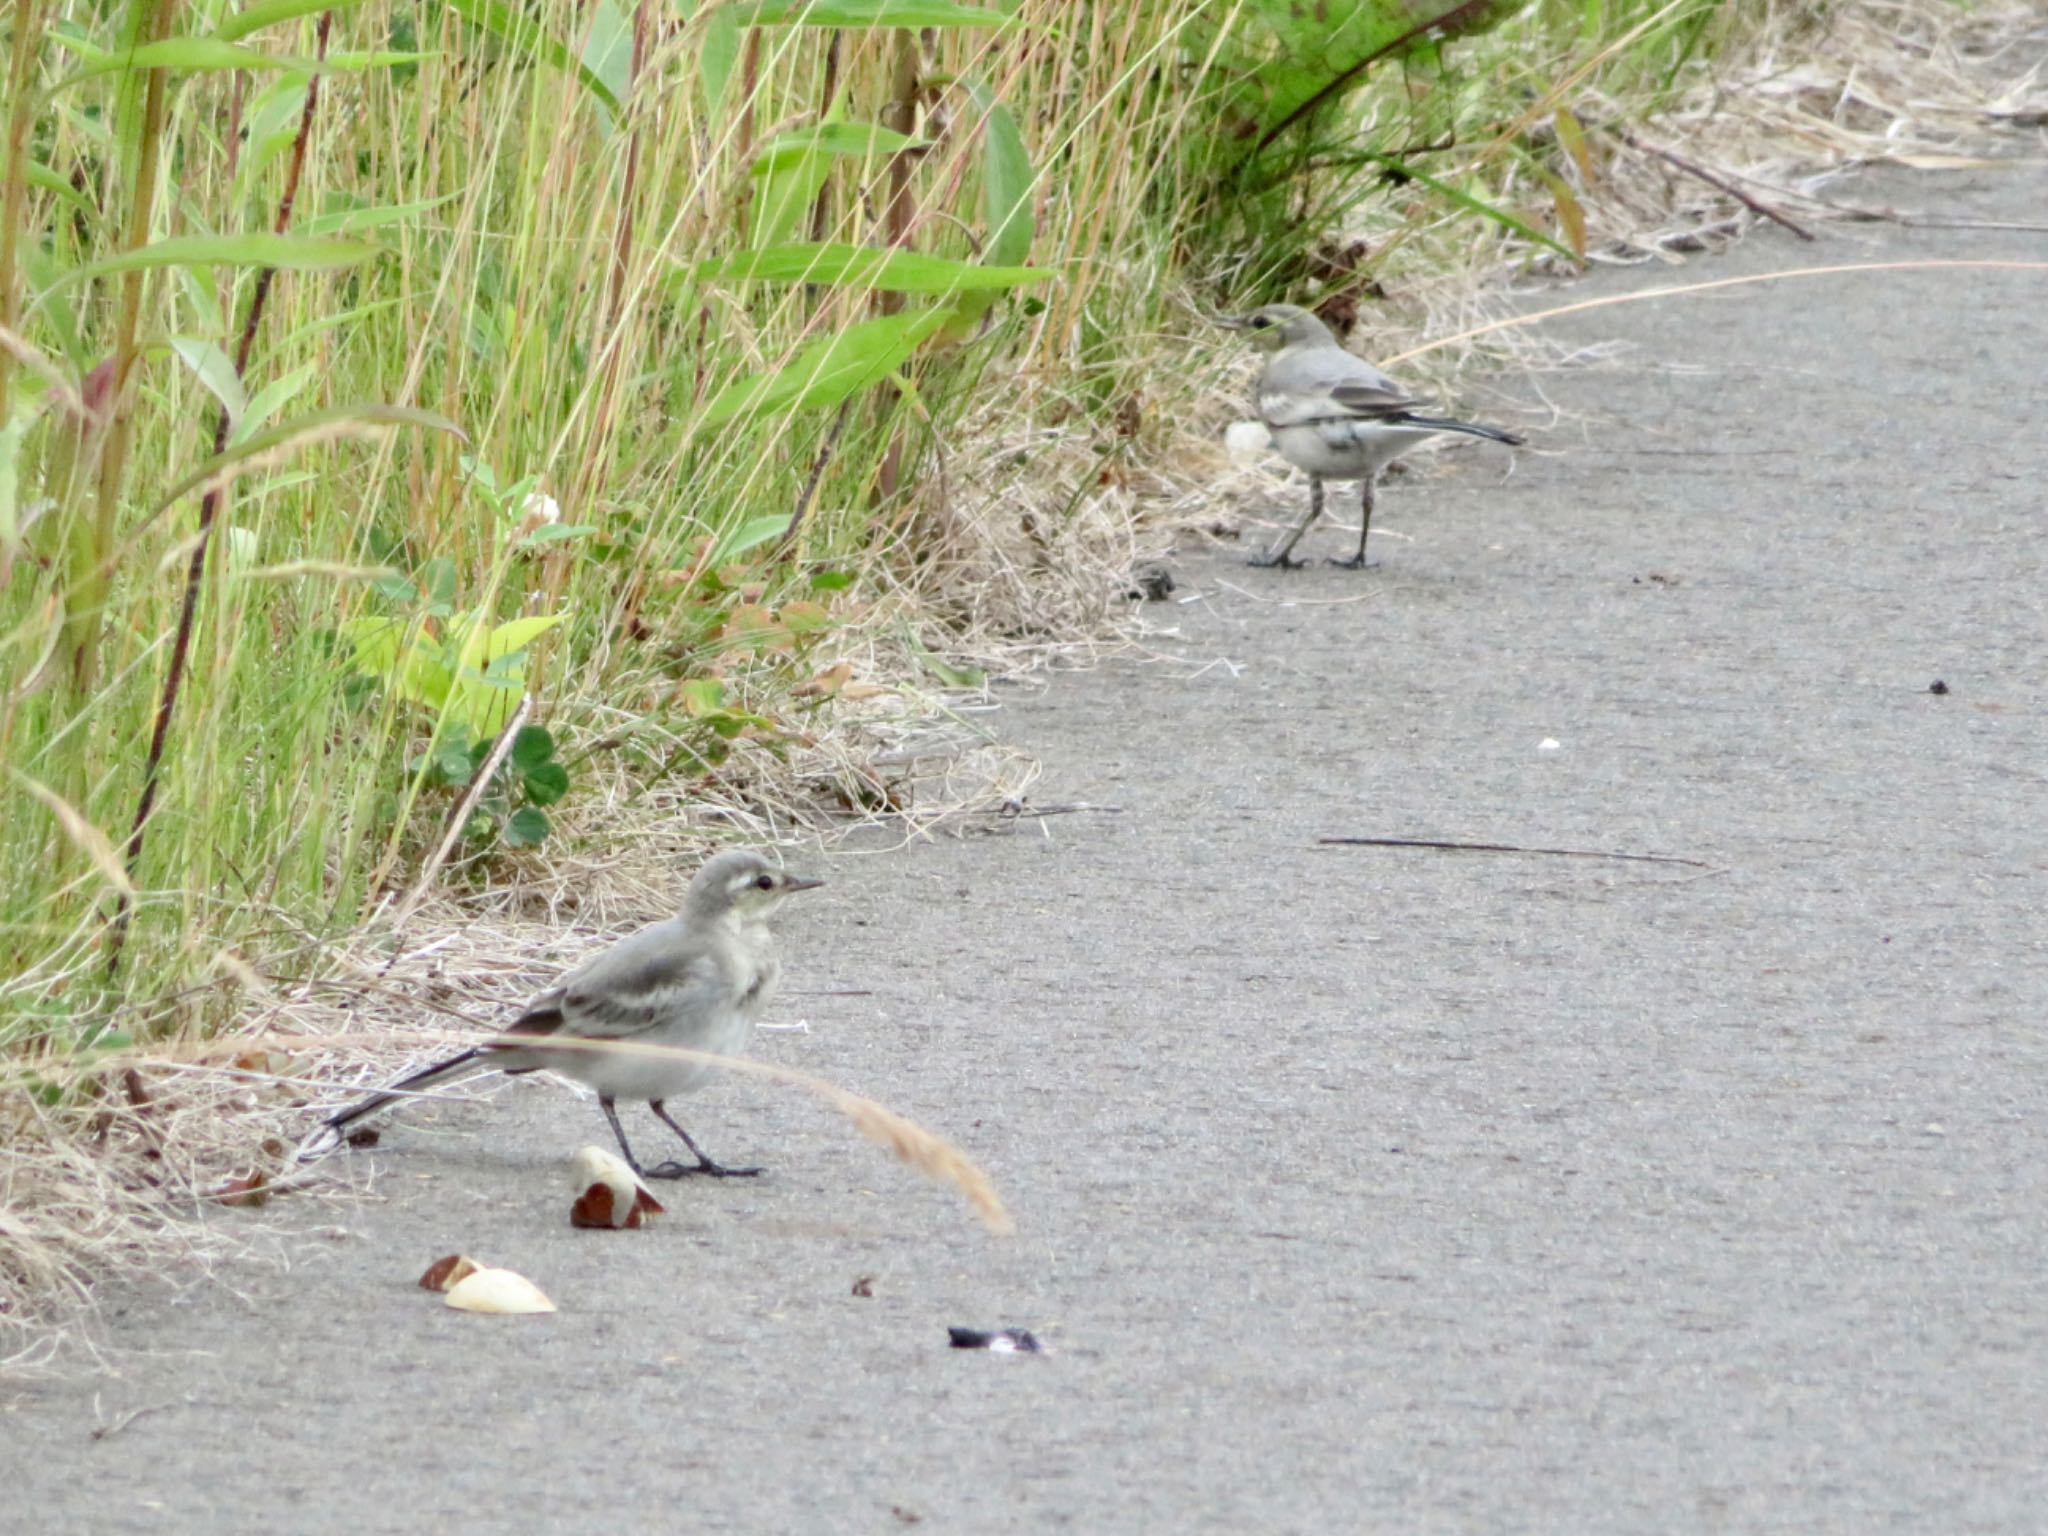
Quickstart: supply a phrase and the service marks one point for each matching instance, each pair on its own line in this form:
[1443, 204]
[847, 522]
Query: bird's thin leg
[1357, 561]
[619, 1131]
[704, 1164]
[1277, 557]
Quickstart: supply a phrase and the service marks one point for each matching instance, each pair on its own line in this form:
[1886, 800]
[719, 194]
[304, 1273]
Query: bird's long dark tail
[336, 1125]
[1445, 424]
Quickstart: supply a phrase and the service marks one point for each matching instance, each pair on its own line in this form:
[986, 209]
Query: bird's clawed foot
[1355, 563]
[1277, 562]
[707, 1168]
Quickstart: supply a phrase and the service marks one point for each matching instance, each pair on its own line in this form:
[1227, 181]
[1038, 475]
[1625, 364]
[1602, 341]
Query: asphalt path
[1358, 1188]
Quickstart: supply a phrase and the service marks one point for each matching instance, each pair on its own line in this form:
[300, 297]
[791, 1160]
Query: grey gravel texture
[1358, 1189]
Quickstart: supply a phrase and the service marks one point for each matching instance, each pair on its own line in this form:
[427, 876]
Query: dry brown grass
[1025, 540]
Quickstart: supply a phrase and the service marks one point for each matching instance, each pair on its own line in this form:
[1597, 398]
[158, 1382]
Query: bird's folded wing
[1322, 383]
[666, 990]
[1373, 400]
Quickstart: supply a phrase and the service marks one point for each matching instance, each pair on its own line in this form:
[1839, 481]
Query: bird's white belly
[1345, 450]
[626, 1071]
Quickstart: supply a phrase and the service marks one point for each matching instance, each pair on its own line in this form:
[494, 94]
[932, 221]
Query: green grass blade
[868, 13]
[288, 253]
[187, 55]
[270, 12]
[865, 267]
[831, 370]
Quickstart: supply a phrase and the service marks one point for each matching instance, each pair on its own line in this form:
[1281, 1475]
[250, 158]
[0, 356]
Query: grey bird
[1335, 416]
[699, 979]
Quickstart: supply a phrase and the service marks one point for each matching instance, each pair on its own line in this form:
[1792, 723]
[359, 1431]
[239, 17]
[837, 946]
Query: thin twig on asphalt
[1558, 853]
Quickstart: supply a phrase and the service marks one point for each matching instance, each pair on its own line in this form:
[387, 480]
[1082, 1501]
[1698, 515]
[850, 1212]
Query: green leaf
[865, 267]
[750, 535]
[484, 701]
[527, 39]
[862, 140]
[188, 55]
[786, 195]
[59, 187]
[46, 279]
[268, 13]
[533, 746]
[356, 62]
[702, 696]
[374, 642]
[288, 253]
[717, 56]
[509, 639]
[867, 13]
[438, 579]
[956, 677]
[271, 123]
[831, 369]
[951, 676]
[272, 398]
[558, 533]
[202, 294]
[546, 784]
[452, 763]
[526, 827]
[1006, 182]
[831, 581]
[608, 46]
[214, 369]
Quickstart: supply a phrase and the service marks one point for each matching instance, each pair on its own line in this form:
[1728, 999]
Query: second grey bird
[1335, 416]
[699, 980]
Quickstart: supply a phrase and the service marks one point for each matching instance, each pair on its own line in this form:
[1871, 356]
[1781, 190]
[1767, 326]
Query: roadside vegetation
[456, 458]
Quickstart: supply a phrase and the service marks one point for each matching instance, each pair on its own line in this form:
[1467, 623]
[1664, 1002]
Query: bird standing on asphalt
[699, 979]
[1334, 415]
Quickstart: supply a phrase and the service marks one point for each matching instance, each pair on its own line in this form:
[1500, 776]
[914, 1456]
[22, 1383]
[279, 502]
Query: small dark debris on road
[1003, 1341]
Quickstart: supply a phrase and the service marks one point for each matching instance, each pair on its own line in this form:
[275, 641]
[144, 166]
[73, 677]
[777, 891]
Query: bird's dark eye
[765, 883]
[1260, 322]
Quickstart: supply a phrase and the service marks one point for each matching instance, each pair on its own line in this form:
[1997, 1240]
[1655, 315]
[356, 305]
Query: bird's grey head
[743, 883]
[1273, 326]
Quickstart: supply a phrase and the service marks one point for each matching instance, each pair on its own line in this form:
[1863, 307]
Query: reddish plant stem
[821, 210]
[209, 508]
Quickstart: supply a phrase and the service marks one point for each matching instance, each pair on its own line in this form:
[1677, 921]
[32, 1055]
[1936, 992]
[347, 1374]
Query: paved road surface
[1359, 1189]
